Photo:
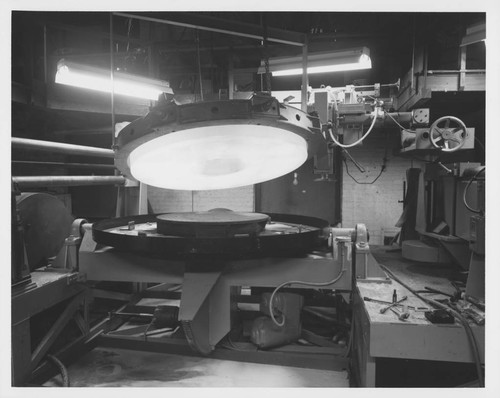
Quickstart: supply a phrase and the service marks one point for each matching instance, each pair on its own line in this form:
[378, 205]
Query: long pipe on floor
[66, 181]
[60, 147]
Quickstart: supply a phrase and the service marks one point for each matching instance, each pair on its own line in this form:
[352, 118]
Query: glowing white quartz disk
[217, 157]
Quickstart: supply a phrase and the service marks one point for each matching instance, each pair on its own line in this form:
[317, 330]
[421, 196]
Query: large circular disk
[213, 223]
[217, 157]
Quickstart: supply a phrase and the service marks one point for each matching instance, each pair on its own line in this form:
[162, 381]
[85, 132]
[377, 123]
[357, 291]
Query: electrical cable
[395, 121]
[358, 141]
[317, 284]
[464, 196]
[62, 369]
[480, 143]
[456, 314]
[382, 169]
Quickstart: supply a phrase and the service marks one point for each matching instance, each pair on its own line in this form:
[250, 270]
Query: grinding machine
[207, 260]
[215, 254]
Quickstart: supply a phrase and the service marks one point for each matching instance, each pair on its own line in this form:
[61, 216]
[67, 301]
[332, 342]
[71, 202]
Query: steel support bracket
[365, 266]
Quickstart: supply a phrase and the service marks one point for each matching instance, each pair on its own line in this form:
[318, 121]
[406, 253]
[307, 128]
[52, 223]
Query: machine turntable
[219, 232]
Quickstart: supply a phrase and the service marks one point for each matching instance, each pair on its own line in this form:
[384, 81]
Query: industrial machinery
[213, 253]
[201, 265]
[49, 303]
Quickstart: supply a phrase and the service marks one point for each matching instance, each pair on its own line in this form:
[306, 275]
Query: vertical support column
[45, 72]
[119, 201]
[143, 199]
[305, 80]
[112, 77]
[21, 353]
[463, 67]
[204, 311]
[230, 78]
[363, 365]
[370, 372]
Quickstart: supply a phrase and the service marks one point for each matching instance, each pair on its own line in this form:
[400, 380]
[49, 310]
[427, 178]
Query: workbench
[48, 288]
[379, 335]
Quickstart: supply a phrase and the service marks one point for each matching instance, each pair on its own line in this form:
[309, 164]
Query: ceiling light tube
[99, 79]
[324, 62]
[474, 34]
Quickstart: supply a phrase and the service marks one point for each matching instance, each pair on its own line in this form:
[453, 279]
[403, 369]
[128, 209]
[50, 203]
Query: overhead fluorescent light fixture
[474, 34]
[323, 62]
[99, 79]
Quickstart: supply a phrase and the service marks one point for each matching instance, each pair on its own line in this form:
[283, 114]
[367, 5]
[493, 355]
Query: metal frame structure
[207, 286]
[47, 289]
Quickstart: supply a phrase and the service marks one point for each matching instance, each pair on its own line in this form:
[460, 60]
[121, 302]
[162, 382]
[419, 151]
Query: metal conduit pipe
[66, 181]
[68, 165]
[60, 147]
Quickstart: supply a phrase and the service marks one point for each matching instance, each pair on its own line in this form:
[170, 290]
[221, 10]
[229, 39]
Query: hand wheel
[448, 133]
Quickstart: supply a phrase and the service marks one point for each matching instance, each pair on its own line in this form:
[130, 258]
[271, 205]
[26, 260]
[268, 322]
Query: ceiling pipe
[66, 181]
[64, 164]
[218, 25]
[59, 147]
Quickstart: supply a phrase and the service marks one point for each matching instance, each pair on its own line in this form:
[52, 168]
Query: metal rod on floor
[62, 164]
[60, 147]
[66, 181]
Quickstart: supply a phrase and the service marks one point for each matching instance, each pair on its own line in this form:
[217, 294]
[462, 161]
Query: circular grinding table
[212, 223]
[205, 256]
[284, 235]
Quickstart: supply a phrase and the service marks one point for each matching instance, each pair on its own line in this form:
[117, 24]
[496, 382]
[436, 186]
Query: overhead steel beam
[66, 181]
[95, 33]
[235, 28]
[60, 147]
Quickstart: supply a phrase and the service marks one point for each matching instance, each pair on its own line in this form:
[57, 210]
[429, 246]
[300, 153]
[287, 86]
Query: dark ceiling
[170, 52]
[166, 51]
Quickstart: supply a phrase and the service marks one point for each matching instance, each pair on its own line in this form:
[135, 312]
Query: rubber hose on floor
[62, 369]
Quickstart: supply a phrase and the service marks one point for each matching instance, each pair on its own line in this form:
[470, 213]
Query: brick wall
[166, 200]
[375, 205]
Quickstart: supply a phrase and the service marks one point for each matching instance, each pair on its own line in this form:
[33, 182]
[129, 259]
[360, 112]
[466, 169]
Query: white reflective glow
[365, 62]
[217, 157]
[96, 82]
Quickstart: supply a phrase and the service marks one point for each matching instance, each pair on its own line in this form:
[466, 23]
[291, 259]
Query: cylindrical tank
[46, 222]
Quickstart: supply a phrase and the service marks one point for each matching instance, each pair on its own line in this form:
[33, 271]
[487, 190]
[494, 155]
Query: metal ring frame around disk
[169, 117]
[306, 238]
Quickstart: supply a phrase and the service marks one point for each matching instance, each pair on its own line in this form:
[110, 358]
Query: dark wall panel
[307, 198]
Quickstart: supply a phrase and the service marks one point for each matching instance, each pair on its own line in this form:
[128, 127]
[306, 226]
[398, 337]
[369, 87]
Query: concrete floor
[125, 368]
